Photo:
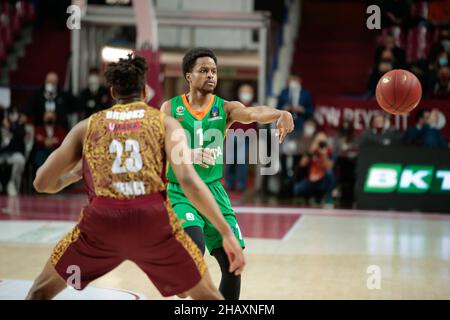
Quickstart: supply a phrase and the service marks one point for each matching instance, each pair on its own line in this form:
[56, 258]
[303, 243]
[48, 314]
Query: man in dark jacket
[50, 98]
[12, 147]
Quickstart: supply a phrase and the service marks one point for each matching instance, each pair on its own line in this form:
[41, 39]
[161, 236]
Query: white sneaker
[11, 189]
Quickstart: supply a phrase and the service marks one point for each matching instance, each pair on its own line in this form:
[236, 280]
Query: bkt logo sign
[386, 178]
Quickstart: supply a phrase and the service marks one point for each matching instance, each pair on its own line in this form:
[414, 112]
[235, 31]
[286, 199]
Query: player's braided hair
[128, 76]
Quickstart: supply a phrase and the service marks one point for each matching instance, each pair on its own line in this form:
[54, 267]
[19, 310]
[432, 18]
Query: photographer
[314, 176]
[12, 148]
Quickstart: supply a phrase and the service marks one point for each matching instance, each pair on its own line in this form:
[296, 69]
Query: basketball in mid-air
[398, 91]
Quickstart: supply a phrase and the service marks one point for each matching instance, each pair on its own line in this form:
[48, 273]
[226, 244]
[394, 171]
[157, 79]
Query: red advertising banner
[331, 111]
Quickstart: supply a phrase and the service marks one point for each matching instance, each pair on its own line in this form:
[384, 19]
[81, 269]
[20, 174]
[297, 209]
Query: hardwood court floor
[292, 253]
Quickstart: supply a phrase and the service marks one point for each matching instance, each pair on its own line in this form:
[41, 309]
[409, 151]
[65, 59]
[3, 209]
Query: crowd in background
[415, 37]
[318, 168]
[29, 134]
[315, 166]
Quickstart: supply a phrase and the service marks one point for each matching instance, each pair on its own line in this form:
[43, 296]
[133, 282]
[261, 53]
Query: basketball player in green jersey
[205, 118]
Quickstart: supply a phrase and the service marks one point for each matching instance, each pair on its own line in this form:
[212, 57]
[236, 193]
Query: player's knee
[196, 234]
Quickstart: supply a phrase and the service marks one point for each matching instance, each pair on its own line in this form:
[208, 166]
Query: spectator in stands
[420, 69]
[296, 100]
[12, 148]
[438, 62]
[397, 54]
[380, 133]
[292, 149]
[425, 132]
[387, 57]
[237, 171]
[442, 87]
[51, 98]
[95, 97]
[394, 12]
[346, 152]
[314, 175]
[306, 139]
[48, 137]
[385, 65]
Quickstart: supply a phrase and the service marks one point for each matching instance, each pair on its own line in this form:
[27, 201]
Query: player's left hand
[285, 125]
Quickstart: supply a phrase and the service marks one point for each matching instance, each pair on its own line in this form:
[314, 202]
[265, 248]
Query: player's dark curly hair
[191, 56]
[128, 76]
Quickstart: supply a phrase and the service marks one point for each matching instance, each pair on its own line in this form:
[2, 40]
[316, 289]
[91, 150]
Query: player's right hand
[234, 253]
[203, 157]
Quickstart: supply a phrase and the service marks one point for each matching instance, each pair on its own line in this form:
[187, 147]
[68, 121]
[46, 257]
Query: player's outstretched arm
[63, 166]
[237, 112]
[197, 192]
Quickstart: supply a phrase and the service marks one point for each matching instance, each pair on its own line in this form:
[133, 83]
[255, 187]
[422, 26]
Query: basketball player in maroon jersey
[123, 151]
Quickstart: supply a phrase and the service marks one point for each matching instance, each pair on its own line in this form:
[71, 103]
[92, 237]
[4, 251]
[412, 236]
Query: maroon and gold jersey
[123, 152]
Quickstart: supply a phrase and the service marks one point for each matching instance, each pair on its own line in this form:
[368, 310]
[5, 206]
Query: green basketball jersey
[203, 130]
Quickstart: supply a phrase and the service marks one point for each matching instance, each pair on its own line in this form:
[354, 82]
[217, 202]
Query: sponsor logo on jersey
[180, 110]
[124, 127]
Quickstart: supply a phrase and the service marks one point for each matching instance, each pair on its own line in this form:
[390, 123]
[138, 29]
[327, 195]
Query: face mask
[50, 88]
[378, 130]
[94, 82]
[294, 85]
[309, 131]
[443, 61]
[446, 44]
[13, 117]
[245, 97]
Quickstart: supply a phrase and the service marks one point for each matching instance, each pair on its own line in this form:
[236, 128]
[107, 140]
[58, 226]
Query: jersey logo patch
[180, 110]
[190, 216]
[214, 114]
[214, 111]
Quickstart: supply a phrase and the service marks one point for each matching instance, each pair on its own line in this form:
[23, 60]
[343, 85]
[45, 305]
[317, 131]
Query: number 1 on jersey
[200, 136]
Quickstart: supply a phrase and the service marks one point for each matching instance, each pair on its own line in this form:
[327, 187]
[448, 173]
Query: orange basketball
[398, 91]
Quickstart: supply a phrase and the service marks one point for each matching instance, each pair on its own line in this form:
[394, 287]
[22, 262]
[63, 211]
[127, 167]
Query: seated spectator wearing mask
[314, 175]
[296, 100]
[12, 148]
[380, 133]
[95, 97]
[307, 137]
[442, 87]
[48, 137]
[346, 152]
[425, 132]
[237, 171]
[386, 63]
[50, 98]
[398, 54]
[438, 74]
